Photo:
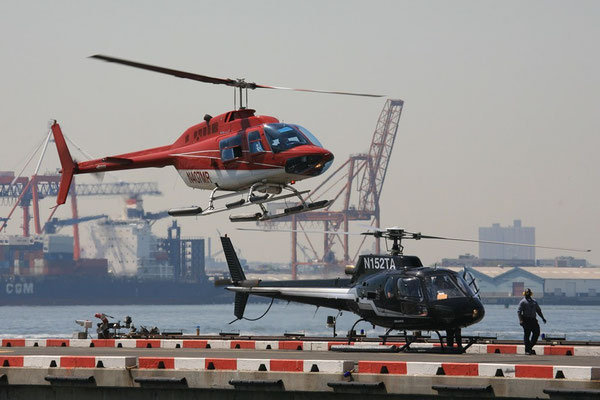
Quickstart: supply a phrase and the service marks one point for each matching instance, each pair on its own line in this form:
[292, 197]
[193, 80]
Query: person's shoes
[530, 352]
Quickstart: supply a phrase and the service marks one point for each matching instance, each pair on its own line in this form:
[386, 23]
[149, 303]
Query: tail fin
[235, 269]
[237, 276]
[66, 162]
[240, 304]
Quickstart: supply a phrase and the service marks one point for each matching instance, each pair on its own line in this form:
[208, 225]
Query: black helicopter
[394, 290]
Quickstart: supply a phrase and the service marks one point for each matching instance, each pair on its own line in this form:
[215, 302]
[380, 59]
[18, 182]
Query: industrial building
[570, 284]
[511, 234]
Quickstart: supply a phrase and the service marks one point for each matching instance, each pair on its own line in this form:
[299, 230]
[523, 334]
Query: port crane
[355, 189]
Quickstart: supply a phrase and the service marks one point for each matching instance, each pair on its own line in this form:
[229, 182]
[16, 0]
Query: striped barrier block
[103, 343]
[534, 371]
[229, 364]
[287, 365]
[424, 368]
[559, 350]
[80, 343]
[460, 369]
[252, 365]
[587, 351]
[147, 343]
[195, 344]
[190, 363]
[41, 361]
[246, 365]
[502, 348]
[35, 342]
[291, 345]
[316, 346]
[11, 361]
[219, 344]
[171, 344]
[13, 342]
[58, 342]
[156, 362]
[328, 366]
[577, 373]
[480, 369]
[383, 367]
[267, 345]
[126, 343]
[242, 344]
[497, 370]
[68, 361]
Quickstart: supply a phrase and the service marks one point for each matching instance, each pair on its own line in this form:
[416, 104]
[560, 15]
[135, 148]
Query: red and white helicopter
[255, 157]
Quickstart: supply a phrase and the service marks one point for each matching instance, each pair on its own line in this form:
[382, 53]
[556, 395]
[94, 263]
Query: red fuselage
[230, 151]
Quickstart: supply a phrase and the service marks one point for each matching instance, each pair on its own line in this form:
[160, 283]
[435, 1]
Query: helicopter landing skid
[248, 197]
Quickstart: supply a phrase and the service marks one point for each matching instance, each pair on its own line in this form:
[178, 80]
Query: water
[577, 323]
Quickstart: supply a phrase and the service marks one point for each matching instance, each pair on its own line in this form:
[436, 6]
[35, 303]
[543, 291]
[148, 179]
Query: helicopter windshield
[442, 287]
[285, 136]
[465, 286]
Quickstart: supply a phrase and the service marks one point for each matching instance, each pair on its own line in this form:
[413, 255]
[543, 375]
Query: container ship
[129, 266]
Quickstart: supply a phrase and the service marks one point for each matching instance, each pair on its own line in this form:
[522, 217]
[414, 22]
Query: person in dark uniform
[528, 308]
[454, 335]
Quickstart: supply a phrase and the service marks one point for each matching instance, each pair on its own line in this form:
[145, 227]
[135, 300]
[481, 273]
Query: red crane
[25, 192]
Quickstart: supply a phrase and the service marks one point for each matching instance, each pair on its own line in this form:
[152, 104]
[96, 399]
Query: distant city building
[503, 282]
[513, 234]
[562, 261]
[469, 260]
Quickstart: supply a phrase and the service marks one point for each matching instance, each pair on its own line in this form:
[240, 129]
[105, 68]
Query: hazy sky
[501, 118]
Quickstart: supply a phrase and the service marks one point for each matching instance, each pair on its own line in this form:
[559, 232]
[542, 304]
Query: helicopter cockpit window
[283, 137]
[410, 289]
[231, 148]
[254, 143]
[309, 135]
[465, 286]
[390, 288]
[442, 287]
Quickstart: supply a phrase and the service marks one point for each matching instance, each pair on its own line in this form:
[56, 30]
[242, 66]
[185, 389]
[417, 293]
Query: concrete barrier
[267, 345]
[171, 344]
[68, 361]
[550, 350]
[480, 369]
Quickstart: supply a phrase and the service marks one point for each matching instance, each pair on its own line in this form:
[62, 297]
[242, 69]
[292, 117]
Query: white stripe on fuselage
[323, 293]
[232, 179]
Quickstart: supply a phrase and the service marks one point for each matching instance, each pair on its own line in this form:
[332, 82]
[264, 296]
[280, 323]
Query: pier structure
[291, 368]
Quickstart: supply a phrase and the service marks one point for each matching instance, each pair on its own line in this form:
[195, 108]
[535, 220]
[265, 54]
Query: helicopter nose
[309, 164]
[478, 311]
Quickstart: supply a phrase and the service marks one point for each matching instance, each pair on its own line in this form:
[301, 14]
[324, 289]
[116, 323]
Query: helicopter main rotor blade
[167, 71]
[299, 231]
[501, 243]
[404, 235]
[320, 91]
[240, 83]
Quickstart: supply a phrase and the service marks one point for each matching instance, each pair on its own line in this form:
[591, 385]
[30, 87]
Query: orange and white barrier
[68, 361]
[290, 345]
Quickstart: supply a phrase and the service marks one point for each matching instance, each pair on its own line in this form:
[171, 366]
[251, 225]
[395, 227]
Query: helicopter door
[231, 149]
[255, 143]
[410, 296]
